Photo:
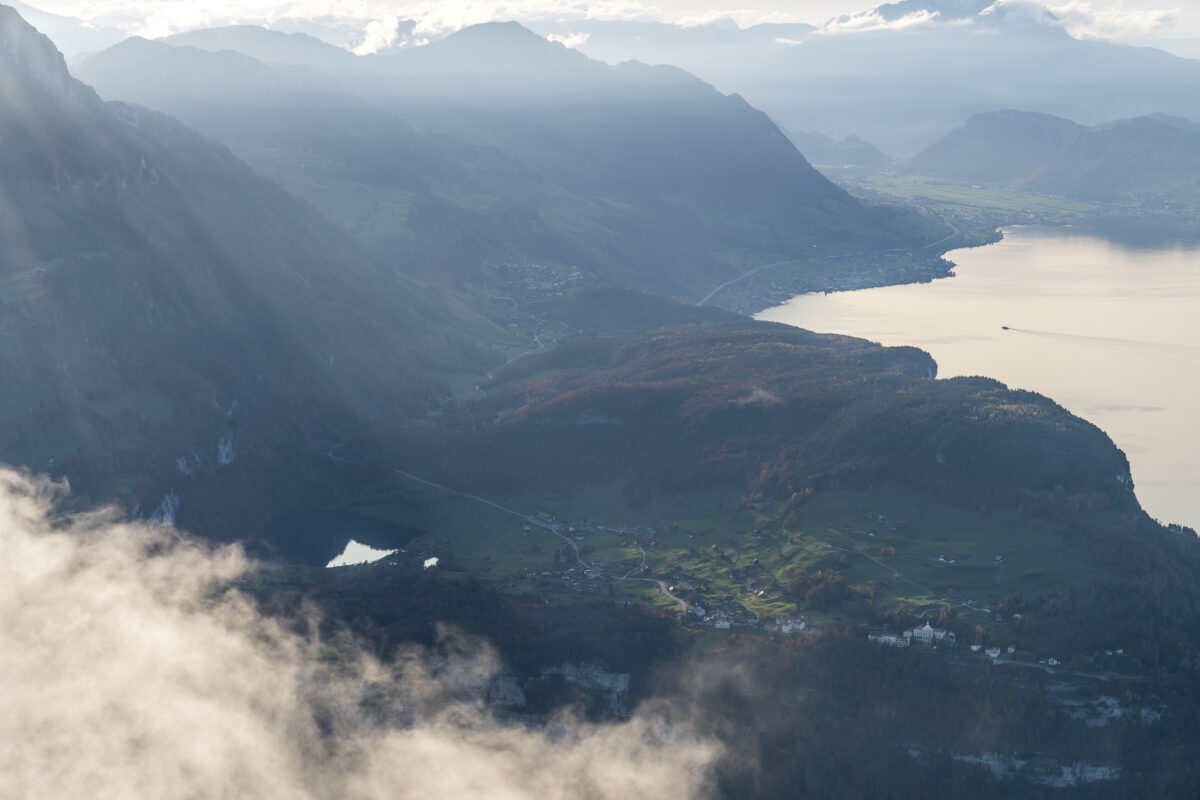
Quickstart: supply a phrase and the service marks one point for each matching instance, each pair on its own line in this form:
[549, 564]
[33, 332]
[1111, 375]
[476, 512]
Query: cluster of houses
[526, 283]
[727, 614]
[722, 619]
[929, 636]
[866, 270]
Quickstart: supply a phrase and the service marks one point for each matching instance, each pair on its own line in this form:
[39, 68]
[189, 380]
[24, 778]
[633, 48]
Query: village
[719, 580]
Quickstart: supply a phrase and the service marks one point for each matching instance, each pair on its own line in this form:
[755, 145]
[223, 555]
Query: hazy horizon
[371, 26]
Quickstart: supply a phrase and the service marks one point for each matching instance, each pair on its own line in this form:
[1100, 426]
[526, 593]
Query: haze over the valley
[479, 288]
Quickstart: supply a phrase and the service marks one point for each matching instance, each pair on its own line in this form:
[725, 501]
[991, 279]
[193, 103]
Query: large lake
[1110, 332]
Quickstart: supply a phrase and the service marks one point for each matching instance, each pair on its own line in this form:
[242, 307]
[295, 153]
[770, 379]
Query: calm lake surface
[1112, 333]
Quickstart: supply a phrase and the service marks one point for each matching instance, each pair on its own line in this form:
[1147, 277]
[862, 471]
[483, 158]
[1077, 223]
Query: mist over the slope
[128, 670]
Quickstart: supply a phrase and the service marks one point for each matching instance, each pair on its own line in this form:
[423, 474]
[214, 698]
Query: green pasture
[716, 545]
[949, 193]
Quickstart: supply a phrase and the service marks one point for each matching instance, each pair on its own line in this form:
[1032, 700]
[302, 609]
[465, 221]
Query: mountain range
[1151, 156]
[851, 151]
[496, 145]
[190, 337]
[944, 60]
[402, 291]
[807, 77]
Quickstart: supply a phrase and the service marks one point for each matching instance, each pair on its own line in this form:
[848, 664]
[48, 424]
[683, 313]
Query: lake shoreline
[1105, 330]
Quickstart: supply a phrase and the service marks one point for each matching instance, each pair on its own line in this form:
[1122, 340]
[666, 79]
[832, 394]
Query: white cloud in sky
[1114, 22]
[874, 21]
[1081, 19]
[742, 17]
[571, 40]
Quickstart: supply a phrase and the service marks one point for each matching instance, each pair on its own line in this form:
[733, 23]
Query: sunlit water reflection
[1109, 332]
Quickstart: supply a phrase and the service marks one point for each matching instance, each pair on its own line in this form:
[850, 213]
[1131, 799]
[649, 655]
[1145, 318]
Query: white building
[926, 634]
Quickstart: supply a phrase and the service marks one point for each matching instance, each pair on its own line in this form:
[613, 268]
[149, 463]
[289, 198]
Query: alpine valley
[464, 302]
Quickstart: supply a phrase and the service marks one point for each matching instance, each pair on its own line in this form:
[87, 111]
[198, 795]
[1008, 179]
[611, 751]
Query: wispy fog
[129, 670]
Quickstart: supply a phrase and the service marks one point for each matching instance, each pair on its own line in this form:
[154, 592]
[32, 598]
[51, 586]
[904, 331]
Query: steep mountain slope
[628, 131]
[428, 203]
[1153, 156]
[691, 160]
[523, 151]
[74, 37]
[175, 327]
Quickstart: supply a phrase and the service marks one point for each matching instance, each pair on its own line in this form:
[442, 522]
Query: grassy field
[948, 196]
[720, 552]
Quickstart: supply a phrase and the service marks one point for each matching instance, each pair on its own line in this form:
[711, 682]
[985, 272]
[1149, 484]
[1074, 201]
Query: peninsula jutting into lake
[1107, 330]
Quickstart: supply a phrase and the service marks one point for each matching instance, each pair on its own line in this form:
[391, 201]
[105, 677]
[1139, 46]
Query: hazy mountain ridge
[496, 144]
[851, 151]
[271, 47]
[955, 59]
[1150, 156]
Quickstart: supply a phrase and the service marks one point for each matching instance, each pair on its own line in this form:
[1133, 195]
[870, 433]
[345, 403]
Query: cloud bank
[128, 669]
[874, 21]
[1081, 19]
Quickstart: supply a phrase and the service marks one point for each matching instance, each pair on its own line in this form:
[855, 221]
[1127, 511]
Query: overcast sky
[1171, 24]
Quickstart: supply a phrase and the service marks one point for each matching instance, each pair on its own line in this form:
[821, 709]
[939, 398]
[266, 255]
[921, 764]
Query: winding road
[662, 586]
[741, 278]
[537, 339]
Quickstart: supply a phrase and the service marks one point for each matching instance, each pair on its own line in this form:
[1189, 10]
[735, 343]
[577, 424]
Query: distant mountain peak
[266, 45]
[510, 29]
[506, 35]
[1017, 116]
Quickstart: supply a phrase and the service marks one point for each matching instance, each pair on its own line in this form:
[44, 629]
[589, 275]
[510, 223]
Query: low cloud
[1083, 21]
[572, 40]
[1079, 18]
[874, 21]
[129, 669]
[740, 17]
